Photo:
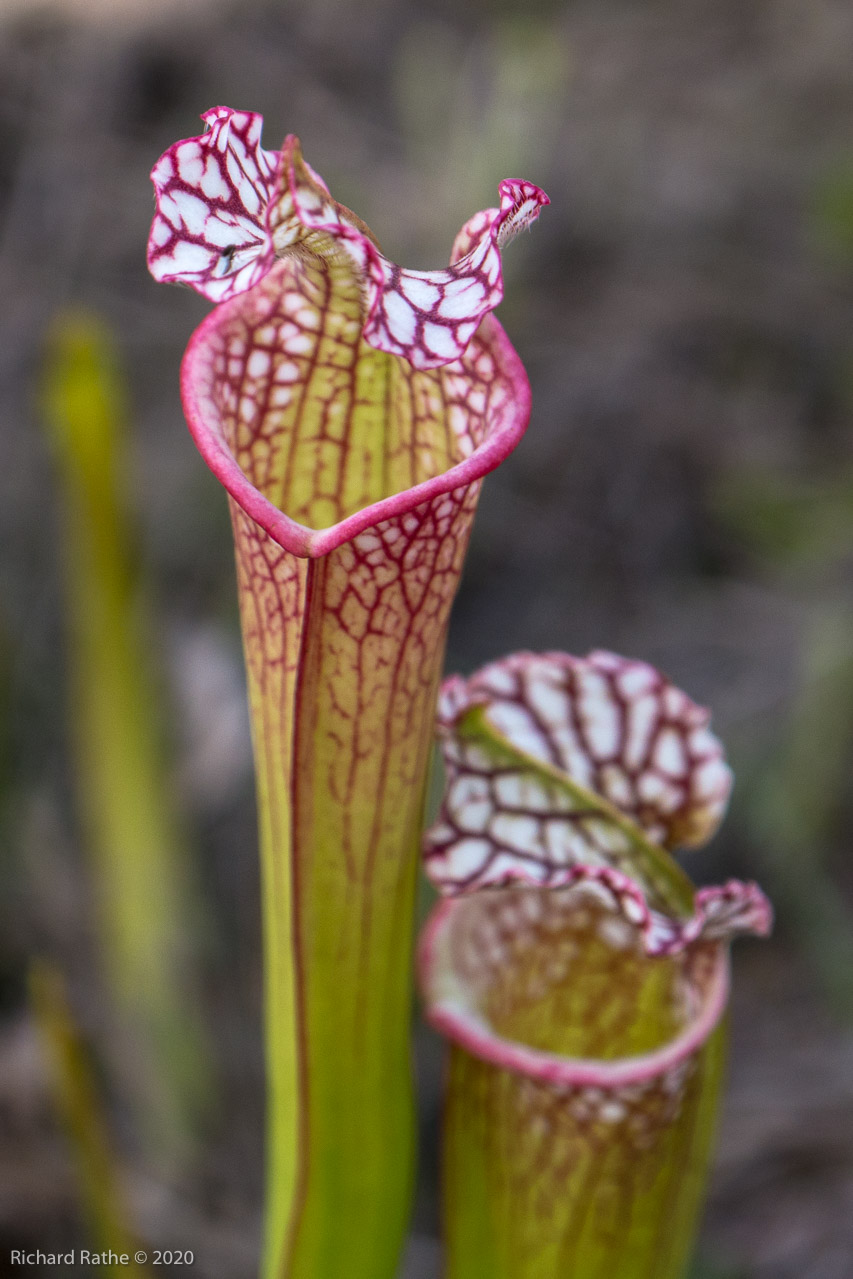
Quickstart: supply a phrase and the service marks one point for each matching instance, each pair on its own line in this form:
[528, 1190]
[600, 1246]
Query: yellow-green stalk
[81, 1112]
[147, 912]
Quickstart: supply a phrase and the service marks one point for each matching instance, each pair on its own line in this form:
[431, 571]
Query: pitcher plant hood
[227, 210]
[297, 352]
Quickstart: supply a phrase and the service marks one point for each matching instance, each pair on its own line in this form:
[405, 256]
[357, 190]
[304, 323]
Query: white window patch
[669, 754]
[548, 700]
[617, 787]
[468, 857]
[194, 212]
[187, 256]
[419, 291]
[496, 678]
[190, 164]
[635, 680]
[517, 727]
[400, 319]
[439, 341]
[518, 832]
[599, 714]
[258, 364]
[212, 182]
[462, 299]
[642, 718]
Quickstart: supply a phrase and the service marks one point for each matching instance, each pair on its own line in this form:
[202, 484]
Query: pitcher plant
[350, 408]
[580, 979]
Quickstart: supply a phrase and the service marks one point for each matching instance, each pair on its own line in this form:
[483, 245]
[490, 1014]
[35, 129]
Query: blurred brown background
[684, 494]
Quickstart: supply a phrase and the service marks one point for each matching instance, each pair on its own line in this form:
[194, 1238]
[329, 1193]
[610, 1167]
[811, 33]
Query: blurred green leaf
[796, 805]
[790, 522]
[833, 210]
[148, 910]
[81, 1112]
[709, 1268]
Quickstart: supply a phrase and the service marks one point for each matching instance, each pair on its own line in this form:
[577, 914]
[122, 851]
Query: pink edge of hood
[310, 543]
[550, 1068]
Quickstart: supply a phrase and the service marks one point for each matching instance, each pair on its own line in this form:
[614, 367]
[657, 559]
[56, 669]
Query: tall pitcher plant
[351, 409]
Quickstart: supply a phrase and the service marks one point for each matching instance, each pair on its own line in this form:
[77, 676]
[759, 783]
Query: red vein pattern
[227, 209]
[617, 727]
[603, 726]
[503, 819]
[208, 230]
[353, 474]
[554, 762]
[568, 1179]
[344, 656]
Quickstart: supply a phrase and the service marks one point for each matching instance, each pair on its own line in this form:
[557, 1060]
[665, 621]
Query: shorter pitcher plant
[579, 978]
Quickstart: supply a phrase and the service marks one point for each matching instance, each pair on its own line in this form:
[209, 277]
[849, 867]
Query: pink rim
[549, 1068]
[311, 543]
